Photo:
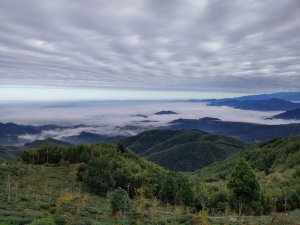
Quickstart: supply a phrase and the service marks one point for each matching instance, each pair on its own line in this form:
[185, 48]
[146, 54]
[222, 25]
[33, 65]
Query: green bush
[16, 220]
[82, 222]
[59, 220]
[119, 201]
[282, 219]
[44, 221]
[297, 172]
[185, 219]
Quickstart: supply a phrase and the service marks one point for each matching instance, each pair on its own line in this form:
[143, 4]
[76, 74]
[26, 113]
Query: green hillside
[77, 186]
[145, 140]
[11, 152]
[183, 150]
[108, 184]
[277, 165]
[48, 141]
[277, 155]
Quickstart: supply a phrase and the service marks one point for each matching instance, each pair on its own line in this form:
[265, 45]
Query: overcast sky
[193, 45]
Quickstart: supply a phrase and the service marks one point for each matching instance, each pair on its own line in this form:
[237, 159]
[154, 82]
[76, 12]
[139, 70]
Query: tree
[84, 156]
[82, 172]
[185, 194]
[243, 184]
[202, 197]
[168, 189]
[119, 201]
[99, 176]
[121, 147]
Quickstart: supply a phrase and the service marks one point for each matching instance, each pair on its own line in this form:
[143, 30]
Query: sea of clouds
[119, 117]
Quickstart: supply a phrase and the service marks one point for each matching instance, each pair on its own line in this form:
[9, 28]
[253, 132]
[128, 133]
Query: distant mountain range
[12, 128]
[14, 152]
[9, 132]
[90, 138]
[273, 104]
[47, 141]
[248, 132]
[184, 150]
[288, 96]
[289, 115]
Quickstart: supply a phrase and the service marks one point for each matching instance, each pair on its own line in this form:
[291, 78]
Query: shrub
[204, 217]
[119, 201]
[281, 218]
[82, 222]
[297, 172]
[100, 175]
[168, 189]
[60, 221]
[43, 221]
[82, 172]
[185, 219]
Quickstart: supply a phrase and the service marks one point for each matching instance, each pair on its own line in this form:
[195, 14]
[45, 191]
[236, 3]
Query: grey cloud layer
[208, 45]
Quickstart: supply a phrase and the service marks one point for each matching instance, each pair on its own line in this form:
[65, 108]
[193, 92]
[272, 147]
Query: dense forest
[183, 150]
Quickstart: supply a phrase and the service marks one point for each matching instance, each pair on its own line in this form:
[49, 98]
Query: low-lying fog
[118, 117]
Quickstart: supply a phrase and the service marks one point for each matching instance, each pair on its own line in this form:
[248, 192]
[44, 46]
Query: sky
[65, 94]
[137, 46]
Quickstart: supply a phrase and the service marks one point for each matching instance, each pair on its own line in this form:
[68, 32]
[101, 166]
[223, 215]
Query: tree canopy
[244, 184]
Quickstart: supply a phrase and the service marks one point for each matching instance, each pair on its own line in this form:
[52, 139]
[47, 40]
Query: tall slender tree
[168, 189]
[244, 184]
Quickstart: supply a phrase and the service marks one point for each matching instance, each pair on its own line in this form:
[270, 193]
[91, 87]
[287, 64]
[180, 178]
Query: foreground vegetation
[47, 194]
[108, 184]
[276, 164]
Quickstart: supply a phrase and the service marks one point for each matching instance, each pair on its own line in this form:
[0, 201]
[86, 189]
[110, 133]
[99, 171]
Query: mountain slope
[12, 128]
[289, 115]
[248, 132]
[184, 150]
[288, 96]
[276, 155]
[276, 164]
[53, 194]
[9, 132]
[11, 152]
[90, 138]
[48, 141]
[274, 104]
[145, 140]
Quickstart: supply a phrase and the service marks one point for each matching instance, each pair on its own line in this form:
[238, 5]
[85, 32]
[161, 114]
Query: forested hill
[183, 150]
[108, 184]
[90, 184]
[275, 156]
[10, 152]
[276, 164]
[47, 141]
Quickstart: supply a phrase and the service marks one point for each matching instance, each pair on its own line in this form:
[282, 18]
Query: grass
[49, 195]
